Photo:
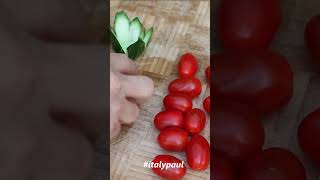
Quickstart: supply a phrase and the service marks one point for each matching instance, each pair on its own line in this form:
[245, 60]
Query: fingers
[121, 63]
[129, 112]
[139, 88]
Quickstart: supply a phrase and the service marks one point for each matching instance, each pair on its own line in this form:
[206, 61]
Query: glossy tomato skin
[173, 139]
[169, 118]
[248, 24]
[206, 104]
[275, 164]
[208, 74]
[188, 86]
[198, 153]
[176, 173]
[187, 66]
[237, 130]
[178, 102]
[261, 79]
[194, 121]
[312, 38]
[309, 135]
[222, 169]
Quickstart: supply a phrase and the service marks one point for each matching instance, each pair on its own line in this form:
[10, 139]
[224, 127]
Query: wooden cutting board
[179, 27]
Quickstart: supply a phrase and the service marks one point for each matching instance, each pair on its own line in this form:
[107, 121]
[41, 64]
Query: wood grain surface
[180, 26]
[281, 127]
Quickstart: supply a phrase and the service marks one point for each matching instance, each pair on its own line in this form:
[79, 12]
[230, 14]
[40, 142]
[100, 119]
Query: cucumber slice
[136, 49]
[121, 27]
[142, 33]
[148, 36]
[115, 43]
[134, 30]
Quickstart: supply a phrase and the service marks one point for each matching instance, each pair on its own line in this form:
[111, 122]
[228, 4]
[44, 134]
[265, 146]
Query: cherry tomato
[273, 164]
[194, 121]
[309, 135]
[198, 153]
[208, 74]
[248, 24]
[263, 79]
[222, 169]
[312, 37]
[173, 139]
[189, 86]
[187, 66]
[169, 118]
[179, 102]
[236, 130]
[206, 104]
[170, 173]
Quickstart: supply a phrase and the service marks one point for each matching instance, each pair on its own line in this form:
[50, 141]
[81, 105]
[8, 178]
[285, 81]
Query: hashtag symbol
[145, 164]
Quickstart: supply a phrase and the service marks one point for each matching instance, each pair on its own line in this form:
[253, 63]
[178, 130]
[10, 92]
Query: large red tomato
[273, 164]
[263, 80]
[248, 24]
[309, 135]
[236, 130]
[312, 37]
[222, 169]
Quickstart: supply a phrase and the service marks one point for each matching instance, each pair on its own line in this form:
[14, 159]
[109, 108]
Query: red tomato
[222, 169]
[263, 80]
[309, 135]
[169, 118]
[187, 66]
[273, 164]
[208, 74]
[171, 173]
[206, 104]
[198, 153]
[189, 86]
[248, 24]
[173, 139]
[236, 130]
[194, 121]
[179, 102]
[312, 37]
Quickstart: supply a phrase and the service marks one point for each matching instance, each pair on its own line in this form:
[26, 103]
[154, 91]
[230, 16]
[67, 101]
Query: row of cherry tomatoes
[180, 120]
[249, 82]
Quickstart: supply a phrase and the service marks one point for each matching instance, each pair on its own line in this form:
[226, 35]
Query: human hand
[127, 91]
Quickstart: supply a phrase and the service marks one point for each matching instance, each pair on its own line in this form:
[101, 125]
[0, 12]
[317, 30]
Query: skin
[51, 107]
[127, 91]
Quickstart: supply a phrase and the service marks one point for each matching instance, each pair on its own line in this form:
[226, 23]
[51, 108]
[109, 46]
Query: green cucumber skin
[136, 49]
[148, 36]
